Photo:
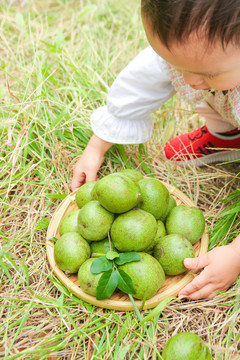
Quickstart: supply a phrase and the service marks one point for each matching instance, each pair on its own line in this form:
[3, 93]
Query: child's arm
[141, 87]
[221, 268]
[89, 163]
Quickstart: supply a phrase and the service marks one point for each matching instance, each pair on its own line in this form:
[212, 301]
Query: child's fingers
[77, 181]
[195, 285]
[196, 263]
[207, 292]
[91, 176]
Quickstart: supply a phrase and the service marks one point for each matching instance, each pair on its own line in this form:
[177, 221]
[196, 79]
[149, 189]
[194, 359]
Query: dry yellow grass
[57, 59]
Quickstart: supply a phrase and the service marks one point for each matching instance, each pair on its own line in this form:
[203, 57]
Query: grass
[57, 60]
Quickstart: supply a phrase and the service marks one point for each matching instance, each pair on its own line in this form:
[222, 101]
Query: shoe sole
[223, 156]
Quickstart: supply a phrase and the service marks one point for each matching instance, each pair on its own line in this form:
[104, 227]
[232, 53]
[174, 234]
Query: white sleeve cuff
[120, 130]
[140, 88]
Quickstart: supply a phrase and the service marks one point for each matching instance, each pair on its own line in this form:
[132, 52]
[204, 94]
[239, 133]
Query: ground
[57, 60]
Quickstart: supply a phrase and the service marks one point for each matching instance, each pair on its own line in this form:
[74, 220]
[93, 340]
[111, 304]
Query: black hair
[175, 20]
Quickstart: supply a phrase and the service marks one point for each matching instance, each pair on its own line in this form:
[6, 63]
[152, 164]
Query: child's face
[202, 67]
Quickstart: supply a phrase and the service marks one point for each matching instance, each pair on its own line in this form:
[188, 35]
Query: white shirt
[140, 89]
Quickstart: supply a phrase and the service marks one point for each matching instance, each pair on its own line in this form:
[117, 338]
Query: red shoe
[202, 147]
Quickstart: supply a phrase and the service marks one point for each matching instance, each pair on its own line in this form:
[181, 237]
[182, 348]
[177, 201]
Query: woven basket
[119, 300]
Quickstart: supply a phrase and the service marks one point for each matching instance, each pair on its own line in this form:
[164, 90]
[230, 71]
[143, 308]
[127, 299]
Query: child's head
[200, 38]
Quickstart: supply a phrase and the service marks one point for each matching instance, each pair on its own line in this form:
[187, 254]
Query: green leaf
[235, 210]
[59, 39]
[144, 159]
[125, 282]
[157, 310]
[19, 20]
[96, 255]
[86, 10]
[42, 224]
[137, 311]
[56, 196]
[4, 267]
[100, 264]
[111, 255]
[122, 152]
[107, 284]
[54, 239]
[169, 130]
[127, 257]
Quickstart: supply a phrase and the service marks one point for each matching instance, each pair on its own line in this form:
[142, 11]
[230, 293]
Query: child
[195, 51]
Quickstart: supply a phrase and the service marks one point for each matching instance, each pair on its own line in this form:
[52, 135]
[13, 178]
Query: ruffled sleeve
[141, 88]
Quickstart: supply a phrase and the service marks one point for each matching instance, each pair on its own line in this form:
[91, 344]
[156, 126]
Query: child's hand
[221, 268]
[90, 162]
[85, 170]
